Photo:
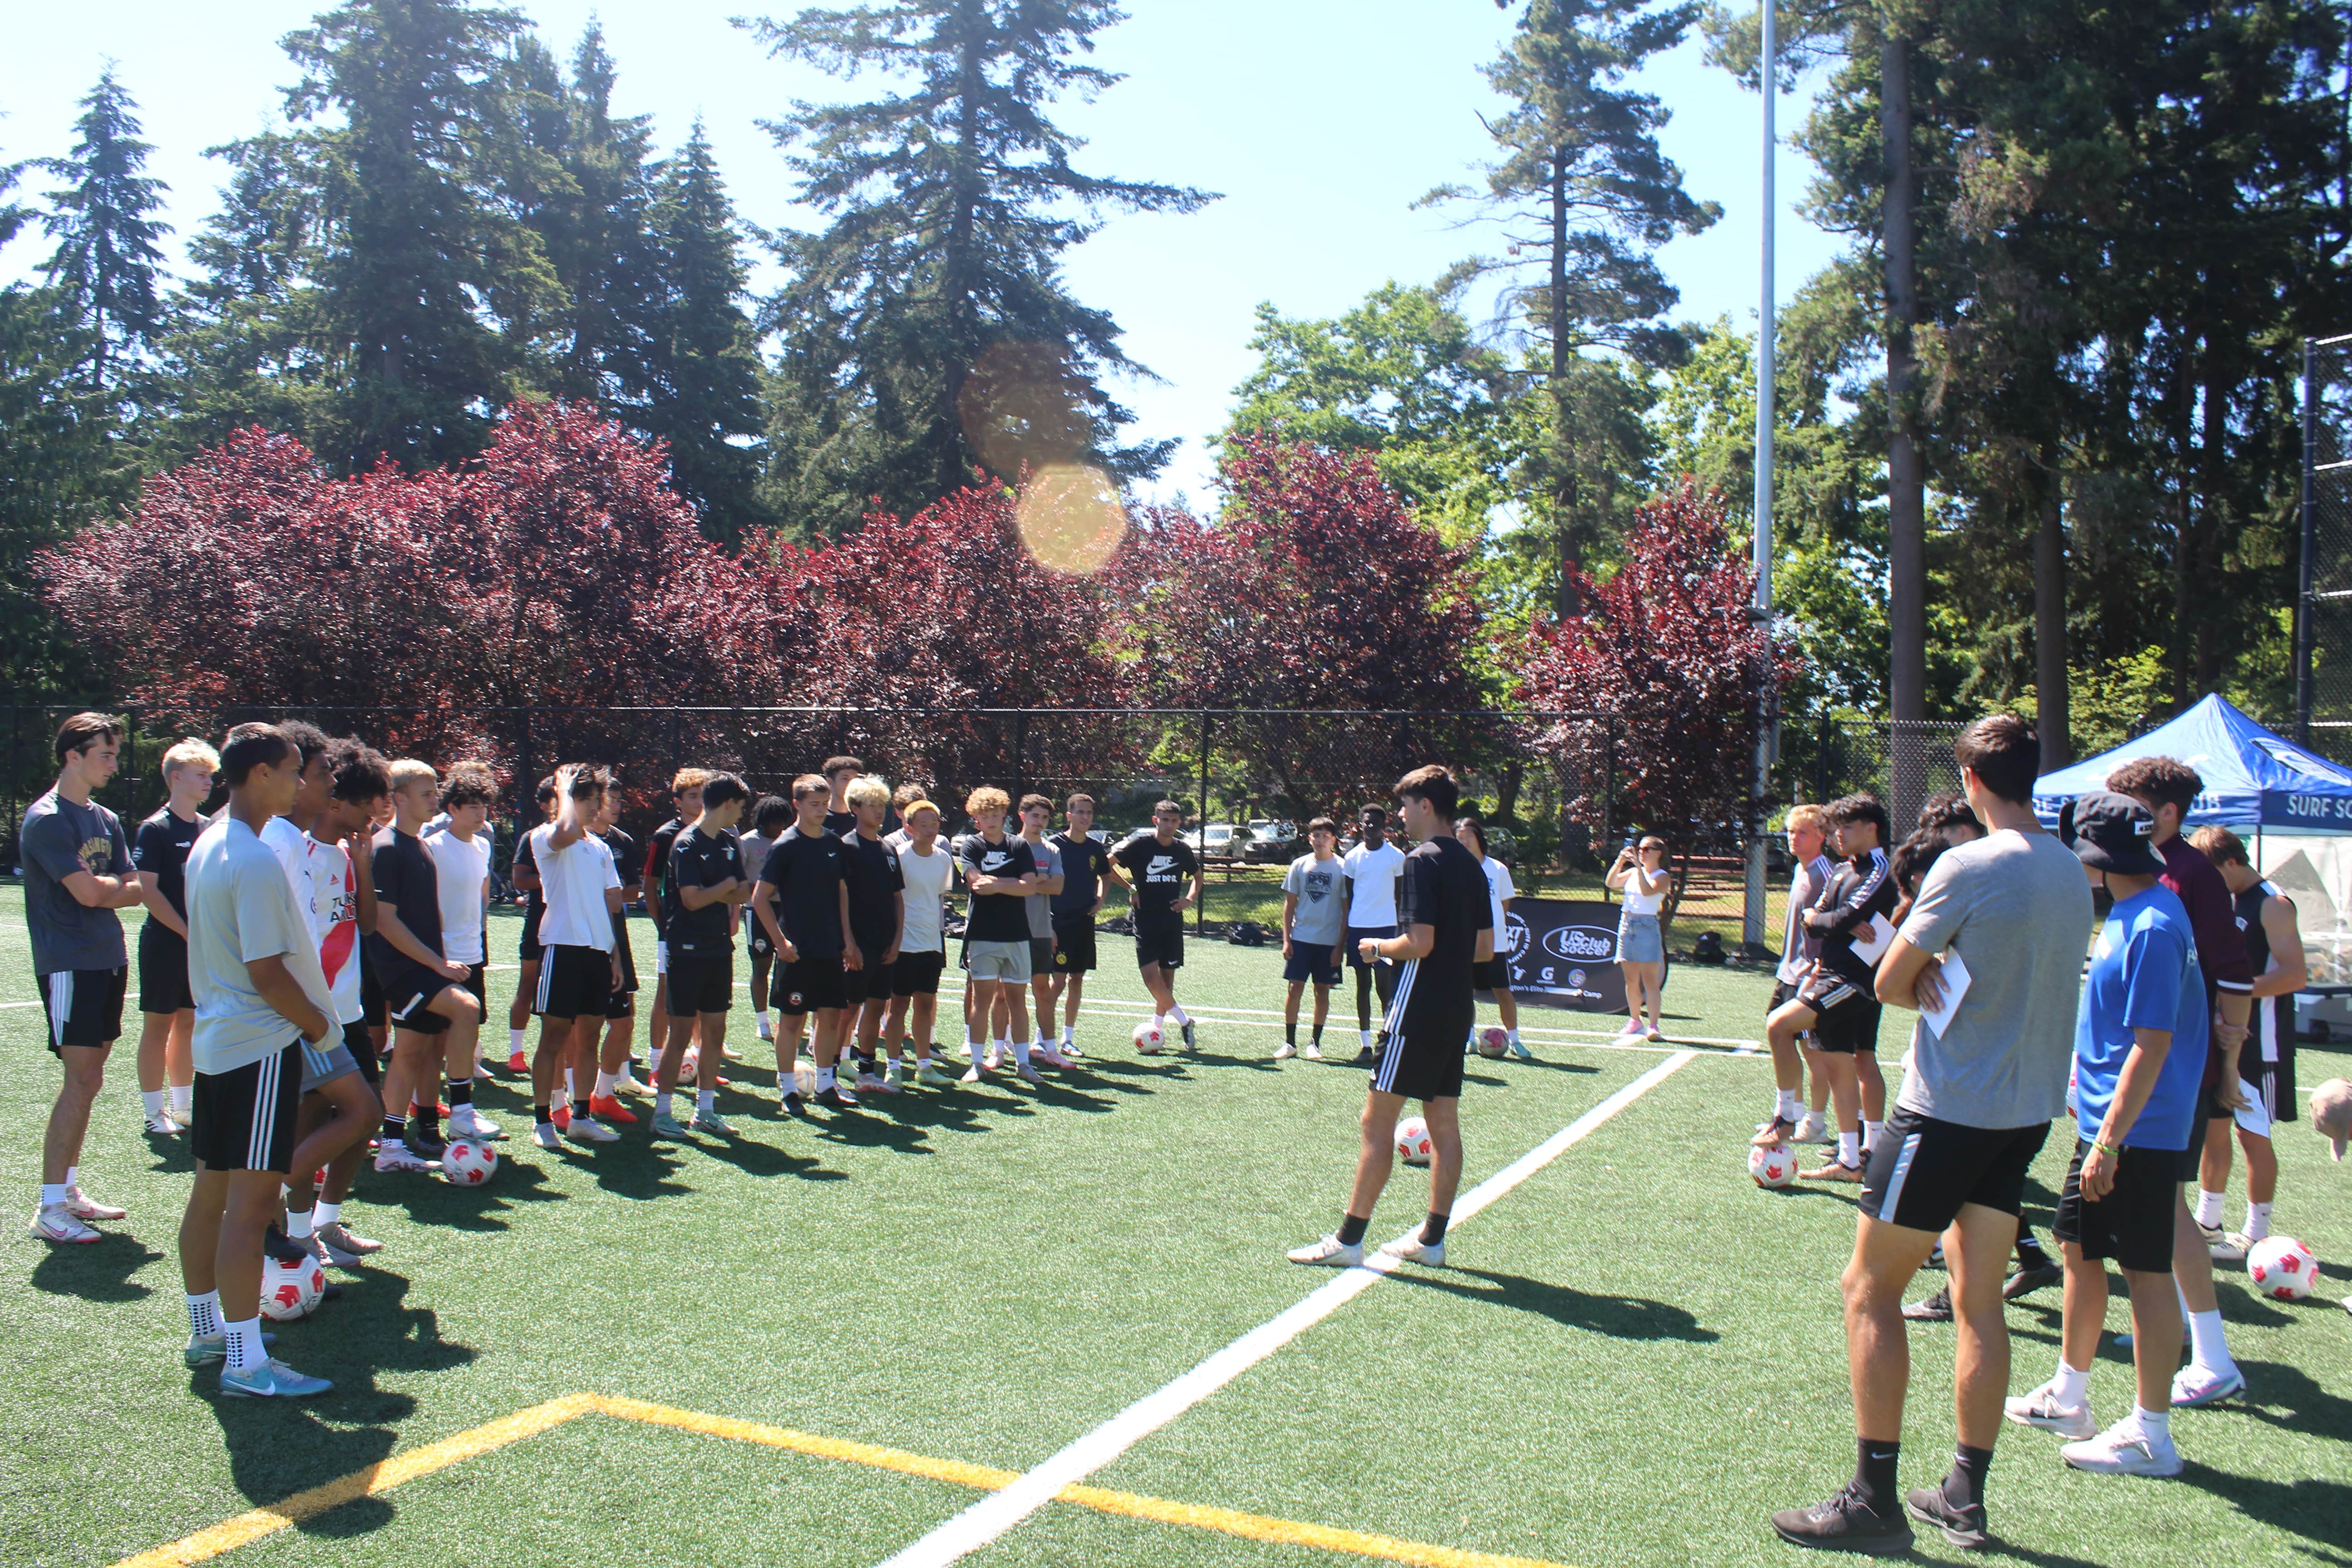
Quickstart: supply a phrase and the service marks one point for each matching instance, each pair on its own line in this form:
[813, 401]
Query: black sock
[1351, 1230]
[579, 1108]
[539, 1113]
[1317, 1036]
[395, 1128]
[1290, 1032]
[1433, 1229]
[461, 1092]
[2029, 1251]
[1964, 1487]
[1874, 1473]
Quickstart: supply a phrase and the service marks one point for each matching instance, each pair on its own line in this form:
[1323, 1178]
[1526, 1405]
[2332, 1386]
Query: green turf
[1635, 1356]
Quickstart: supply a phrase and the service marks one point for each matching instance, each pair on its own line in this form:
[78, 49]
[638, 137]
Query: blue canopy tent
[2292, 806]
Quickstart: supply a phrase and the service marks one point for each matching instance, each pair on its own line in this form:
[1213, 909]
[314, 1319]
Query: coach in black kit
[1448, 929]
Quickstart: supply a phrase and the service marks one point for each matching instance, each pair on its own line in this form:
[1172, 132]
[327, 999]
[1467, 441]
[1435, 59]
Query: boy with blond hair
[878, 917]
[167, 1011]
[1000, 873]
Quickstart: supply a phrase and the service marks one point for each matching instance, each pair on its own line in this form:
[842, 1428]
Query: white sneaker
[868, 1083]
[160, 1125]
[1519, 1049]
[1031, 1075]
[466, 1122]
[1070, 1048]
[1330, 1253]
[54, 1224]
[2194, 1387]
[1811, 1128]
[1285, 1051]
[2040, 1408]
[1311, 1052]
[588, 1130]
[1413, 1249]
[396, 1157]
[2231, 1248]
[1049, 1056]
[545, 1135]
[970, 1075]
[2123, 1449]
[81, 1206]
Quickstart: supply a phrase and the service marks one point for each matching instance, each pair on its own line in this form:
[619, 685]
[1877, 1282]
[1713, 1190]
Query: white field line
[1000, 1511]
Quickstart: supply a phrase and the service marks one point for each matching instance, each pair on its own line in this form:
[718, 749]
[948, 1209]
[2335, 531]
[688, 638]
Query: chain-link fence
[2324, 618]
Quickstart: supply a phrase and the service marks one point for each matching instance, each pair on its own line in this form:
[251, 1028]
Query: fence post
[1200, 911]
[2303, 629]
[1020, 753]
[526, 783]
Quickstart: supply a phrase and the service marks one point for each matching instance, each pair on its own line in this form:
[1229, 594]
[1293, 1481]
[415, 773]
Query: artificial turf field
[1632, 1357]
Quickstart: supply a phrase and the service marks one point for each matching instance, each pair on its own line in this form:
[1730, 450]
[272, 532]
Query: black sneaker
[425, 1143]
[2026, 1281]
[329, 1292]
[833, 1100]
[795, 1105]
[1192, 1041]
[1936, 1308]
[1961, 1526]
[1365, 1057]
[1844, 1523]
[275, 1244]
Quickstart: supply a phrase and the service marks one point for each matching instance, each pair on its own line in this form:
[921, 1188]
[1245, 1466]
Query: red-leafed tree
[1667, 647]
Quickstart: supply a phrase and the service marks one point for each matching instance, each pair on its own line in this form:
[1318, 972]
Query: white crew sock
[706, 1099]
[1020, 1050]
[823, 1079]
[2206, 1345]
[2072, 1387]
[1042, 1043]
[1364, 1039]
[53, 1195]
[245, 1350]
[2258, 1222]
[1788, 1109]
[2209, 1208]
[299, 1224]
[152, 1098]
[203, 1315]
[661, 1103]
[1067, 1036]
[73, 1178]
[514, 1041]
[2154, 1425]
[325, 1215]
[1512, 1035]
[569, 1093]
[1176, 1011]
[1848, 1148]
[1870, 1135]
[604, 1082]
[184, 1098]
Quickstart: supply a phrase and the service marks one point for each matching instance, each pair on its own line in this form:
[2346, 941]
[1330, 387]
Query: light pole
[1752, 910]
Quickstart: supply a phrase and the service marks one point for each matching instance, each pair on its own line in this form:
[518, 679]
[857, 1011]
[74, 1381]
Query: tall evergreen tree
[947, 209]
[108, 265]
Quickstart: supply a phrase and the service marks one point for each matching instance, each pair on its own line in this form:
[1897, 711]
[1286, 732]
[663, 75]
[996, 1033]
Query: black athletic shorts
[531, 951]
[84, 1005]
[477, 982]
[409, 1002]
[1355, 954]
[1921, 1171]
[1823, 992]
[702, 982]
[1422, 1056]
[1312, 962]
[1073, 944]
[1849, 1028]
[2132, 1225]
[916, 973]
[374, 1009]
[1782, 992]
[1160, 945]
[810, 985]
[162, 970]
[243, 1120]
[755, 939]
[361, 1045]
[2190, 1164]
[1495, 974]
[574, 982]
[1041, 957]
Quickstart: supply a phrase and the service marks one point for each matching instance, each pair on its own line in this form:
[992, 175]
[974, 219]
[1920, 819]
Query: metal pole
[1200, 911]
[2305, 633]
[1751, 923]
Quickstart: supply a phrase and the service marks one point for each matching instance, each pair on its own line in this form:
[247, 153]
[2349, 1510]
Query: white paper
[1955, 986]
[1873, 940]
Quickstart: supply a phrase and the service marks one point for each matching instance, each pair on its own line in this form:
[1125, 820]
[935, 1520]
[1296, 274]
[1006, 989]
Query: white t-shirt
[1499, 886]
[241, 908]
[335, 919]
[460, 870]
[572, 880]
[1638, 902]
[1372, 878]
[291, 847]
[926, 877]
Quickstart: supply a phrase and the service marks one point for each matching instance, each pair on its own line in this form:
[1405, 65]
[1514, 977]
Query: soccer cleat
[1813, 1127]
[205, 1349]
[1775, 1134]
[1844, 1523]
[1330, 1253]
[400, 1157]
[667, 1126]
[273, 1379]
[1311, 1052]
[837, 1098]
[868, 1083]
[1936, 1308]
[1654, 1035]
[897, 1076]
[970, 1075]
[55, 1225]
[342, 1248]
[1834, 1170]
[276, 1244]
[2026, 1281]
[81, 1206]
[710, 1122]
[588, 1130]
[517, 1063]
[794, 1103]
[560, 1115]
[1070, 1048]
[1413, 1249]
[425, 1142]
[1192, 1040]
[1030, 1074]
[1961, 1526]
[469, 1124]
[2212, 1235]
[2123, 1449]
[2040, 1408]
[611, 1109]
[545, 1135]
[2231, 1248]
[629, 1084]
[1519, 1049]
[1365, 1057]
[2194, 1387]
[160, 1125]
[931, 1076]
[1053, 1057]
[1285, 1051]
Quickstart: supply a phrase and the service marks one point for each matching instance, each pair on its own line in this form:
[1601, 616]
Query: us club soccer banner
[1563, 953]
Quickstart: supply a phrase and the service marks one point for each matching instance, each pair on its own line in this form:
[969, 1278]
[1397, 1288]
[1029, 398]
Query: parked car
[1215, 840]
[1270, 843]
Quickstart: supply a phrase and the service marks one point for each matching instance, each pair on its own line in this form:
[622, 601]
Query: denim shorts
[1638, 940]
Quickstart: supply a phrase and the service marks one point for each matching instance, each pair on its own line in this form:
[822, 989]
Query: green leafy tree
[108, 265]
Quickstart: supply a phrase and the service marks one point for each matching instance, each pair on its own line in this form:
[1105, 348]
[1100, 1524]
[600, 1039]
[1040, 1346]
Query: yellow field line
[382, 1476]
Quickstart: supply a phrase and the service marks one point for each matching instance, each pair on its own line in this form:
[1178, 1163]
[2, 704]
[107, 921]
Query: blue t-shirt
[2144, 975]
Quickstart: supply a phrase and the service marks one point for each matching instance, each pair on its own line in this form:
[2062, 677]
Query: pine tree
[948, 207]
[107, 265]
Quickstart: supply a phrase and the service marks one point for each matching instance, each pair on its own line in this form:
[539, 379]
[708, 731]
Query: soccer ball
[1772, 1167]
[2282, 1268]
[289, 1291]
[1413, 1141]
[467, 1164]
[1493, 1041]
[1149, 1038]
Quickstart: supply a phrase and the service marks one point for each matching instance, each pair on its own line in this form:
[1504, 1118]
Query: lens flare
[1071, 518]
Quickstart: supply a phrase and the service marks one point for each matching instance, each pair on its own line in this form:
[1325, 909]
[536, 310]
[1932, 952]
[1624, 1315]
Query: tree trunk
[1563, 440]
[2051, 717]
[1907, 503]
[2212, 505]
[959, 282]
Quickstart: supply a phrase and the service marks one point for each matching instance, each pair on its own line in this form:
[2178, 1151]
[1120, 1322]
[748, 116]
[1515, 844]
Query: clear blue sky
[1319, 120]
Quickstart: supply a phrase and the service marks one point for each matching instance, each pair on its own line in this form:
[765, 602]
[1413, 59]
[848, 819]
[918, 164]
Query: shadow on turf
[429, 1201]
[97, 1270]
[1620, 1316]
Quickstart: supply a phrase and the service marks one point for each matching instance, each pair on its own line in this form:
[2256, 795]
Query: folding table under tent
[2292, 806]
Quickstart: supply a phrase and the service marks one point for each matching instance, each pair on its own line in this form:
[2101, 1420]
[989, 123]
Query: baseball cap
[2109, 832]
[2331, 1112]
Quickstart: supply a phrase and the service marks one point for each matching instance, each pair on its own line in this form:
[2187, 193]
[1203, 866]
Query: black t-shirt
[841, 824]
[996, 917]
[875, 883]
[1161, 873]
[656, 874]
[406, 879]
[699, 859]
[1084, 861]
[625, 866]
[1859, 890]
[160, 851]
[1444, 887]
[534, 903]
[806, 873]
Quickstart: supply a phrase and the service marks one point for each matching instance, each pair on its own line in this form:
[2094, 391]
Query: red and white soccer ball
[289, 1291]
[1772, 1167]
[1492, 1041]
[1413, 1141]
[465, 1163]
[2282, 1268]
[1149, 1038]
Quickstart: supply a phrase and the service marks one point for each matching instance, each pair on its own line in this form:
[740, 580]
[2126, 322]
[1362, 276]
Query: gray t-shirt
[58, 839]
[1321, 889]
[241, 909]
[1041, 905]
[2017, 909]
